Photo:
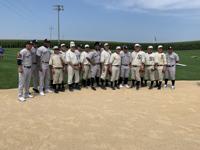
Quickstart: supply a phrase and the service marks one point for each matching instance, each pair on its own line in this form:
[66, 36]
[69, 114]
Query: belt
[160, 65]
[76, 65]
[86, 64]
[149, 65]
[34, 63]
[116, 65]
[170, 65]
[45, 62]
[29, 67]
[124, 65]
[58, 68]
[135, 66]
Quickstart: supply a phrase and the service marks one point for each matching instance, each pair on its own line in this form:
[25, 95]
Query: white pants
[86, 72]
[44, 77]
[73, 73]
[135, 73]
[149, 73]
[170, 73]
[124, 71]
[95, 71]
[35, 76]
[115, 73]
[24, 82]
[159, 73]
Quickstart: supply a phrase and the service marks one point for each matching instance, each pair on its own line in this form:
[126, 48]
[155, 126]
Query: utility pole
[50, 34]
[59, 8]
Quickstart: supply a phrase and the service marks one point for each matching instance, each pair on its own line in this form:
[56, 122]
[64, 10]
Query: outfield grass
[9, 76]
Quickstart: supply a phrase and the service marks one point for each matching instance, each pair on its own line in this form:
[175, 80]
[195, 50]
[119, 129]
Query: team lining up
[97, 67]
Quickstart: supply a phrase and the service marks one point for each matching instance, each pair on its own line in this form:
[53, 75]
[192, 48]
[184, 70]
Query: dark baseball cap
[29, 42]
[47, 41]
[35, 41]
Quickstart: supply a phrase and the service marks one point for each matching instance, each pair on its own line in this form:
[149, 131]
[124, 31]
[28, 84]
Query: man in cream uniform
[24, 61]
[125, 67]
[170, 73]
[73, 67]
[63, 50]
[149, 66]
[115, 62]
[105, 58]
[161, 62]
[86, 68]
[43, 56]
[56, 64]
[137, 65]
[35, 70]
[94, 59]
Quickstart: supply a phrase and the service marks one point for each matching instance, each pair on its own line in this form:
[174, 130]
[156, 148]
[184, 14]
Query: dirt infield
[124, 119]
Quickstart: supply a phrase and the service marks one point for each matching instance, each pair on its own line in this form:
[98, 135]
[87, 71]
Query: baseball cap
[118, 47]
[150, 47]
[106, 44]
[96, 44]
[55, 48]
[170, 47]
[62, 44]
[125, 47]
[160, 46]
[87, 46]
[72, 44]
[137, 45]
[35, 41]
[46, 41]
[29, 42]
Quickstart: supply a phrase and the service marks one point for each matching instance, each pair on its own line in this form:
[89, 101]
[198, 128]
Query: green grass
[9, 75]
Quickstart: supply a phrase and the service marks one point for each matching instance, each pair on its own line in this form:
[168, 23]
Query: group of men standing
[87, 67]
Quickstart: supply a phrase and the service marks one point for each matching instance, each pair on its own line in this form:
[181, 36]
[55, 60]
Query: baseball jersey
[62, 55]
[94, 56]
[44, 54]
[172, 58]
[33, 53]
[137, 58]
[125, 57]
[56, 61]
[72, 57]
[160, 58]
[149, 59]
[115, 59]
[26, 57]
[105, 57]
[78, 54]
[83, 58]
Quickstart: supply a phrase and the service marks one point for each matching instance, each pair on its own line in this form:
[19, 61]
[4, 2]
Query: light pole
[59, 8]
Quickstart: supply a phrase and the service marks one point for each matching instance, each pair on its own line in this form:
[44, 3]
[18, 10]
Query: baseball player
[170, 73]
[105, 64]
[63, 50]
[161, 62]
[115, 62]
[43, 56]
[35, 70]
[24, 61]
[142, 73]
[149, 66]
[56, 64]
[85, 65]
[94, 59]
[137, 65]
[73, 67]
[125, 67]
[1, 53]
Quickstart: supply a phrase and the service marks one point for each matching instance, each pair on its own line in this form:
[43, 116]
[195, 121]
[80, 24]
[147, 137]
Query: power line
[58, 8]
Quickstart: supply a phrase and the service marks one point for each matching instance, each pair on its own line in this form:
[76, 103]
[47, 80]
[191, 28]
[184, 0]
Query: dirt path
[103, 120]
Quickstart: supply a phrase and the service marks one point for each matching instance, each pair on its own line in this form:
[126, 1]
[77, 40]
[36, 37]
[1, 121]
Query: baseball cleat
[165, 86]
[121, 86]
[173, 87]
[48, 91]
[42, 94]
[127, 86]
[29, 96]
[21, 99]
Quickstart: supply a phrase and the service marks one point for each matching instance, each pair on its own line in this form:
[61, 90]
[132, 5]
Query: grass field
[8, 67]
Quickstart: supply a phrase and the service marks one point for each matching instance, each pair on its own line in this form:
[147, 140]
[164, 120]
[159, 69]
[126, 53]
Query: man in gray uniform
[35, 70]
[125, 67]
[170, 73]
[94, 59]
[24, 61]
[43, 57]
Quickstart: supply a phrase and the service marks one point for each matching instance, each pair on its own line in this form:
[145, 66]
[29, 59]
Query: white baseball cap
[87, 46]
[55, 47]
[62, 45]
[106, 44]
[137, 45]
[150, 47]
[160, 46]
[72, 44]
[118, 47]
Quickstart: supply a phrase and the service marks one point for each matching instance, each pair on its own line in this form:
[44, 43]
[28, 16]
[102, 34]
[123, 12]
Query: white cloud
[186, 6]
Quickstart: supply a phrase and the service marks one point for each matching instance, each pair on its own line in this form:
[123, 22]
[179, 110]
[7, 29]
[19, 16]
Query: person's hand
[53, 71]
[20, 70]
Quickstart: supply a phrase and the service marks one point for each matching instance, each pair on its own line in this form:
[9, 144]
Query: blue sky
[113, 20]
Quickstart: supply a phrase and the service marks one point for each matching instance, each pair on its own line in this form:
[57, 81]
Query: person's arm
[38, 58]
[19, 62]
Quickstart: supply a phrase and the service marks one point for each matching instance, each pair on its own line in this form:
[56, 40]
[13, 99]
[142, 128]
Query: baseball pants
[115, 73]
[170, 73]
[135, 73]
[159, 73]
[149, 73]
[73, 73]
[58, 76]
[44, 77]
